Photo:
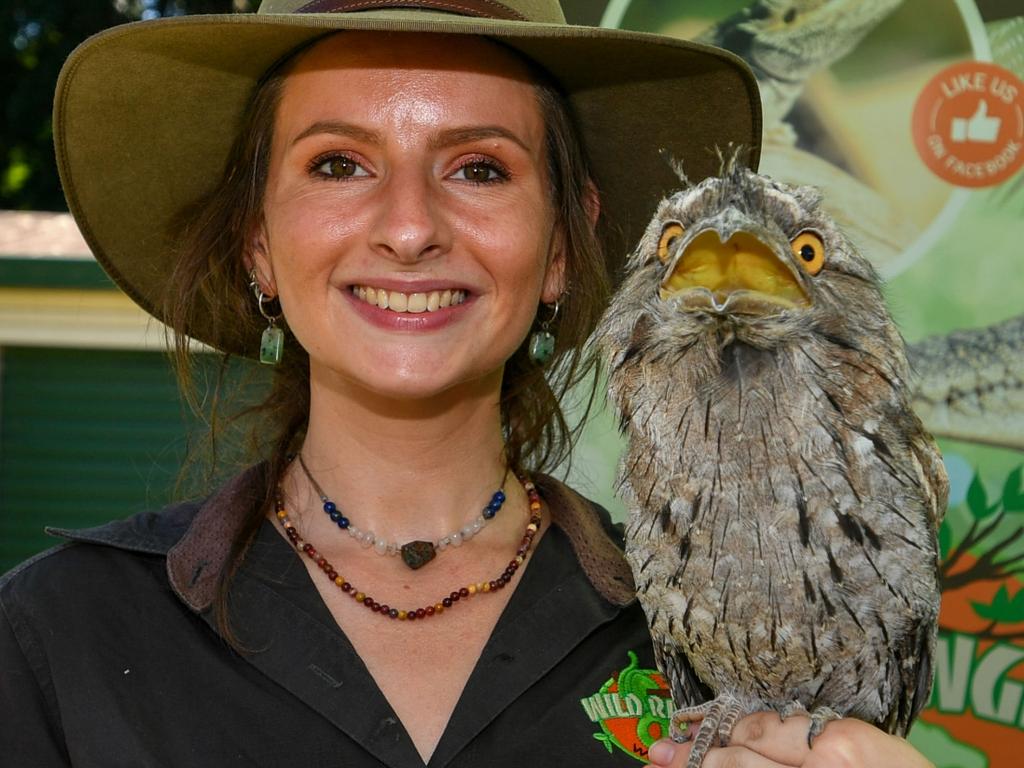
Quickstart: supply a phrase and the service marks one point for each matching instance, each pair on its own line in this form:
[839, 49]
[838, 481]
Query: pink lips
[405, 321]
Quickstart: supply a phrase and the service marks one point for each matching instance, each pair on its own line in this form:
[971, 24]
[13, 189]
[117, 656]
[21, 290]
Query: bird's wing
[687, 689]
[932, 474]
[913, 657]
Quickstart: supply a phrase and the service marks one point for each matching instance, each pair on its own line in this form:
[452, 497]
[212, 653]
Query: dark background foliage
[37, 35]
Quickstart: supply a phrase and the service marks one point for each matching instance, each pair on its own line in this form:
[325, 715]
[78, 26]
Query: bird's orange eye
[668, 236]
[809, 251]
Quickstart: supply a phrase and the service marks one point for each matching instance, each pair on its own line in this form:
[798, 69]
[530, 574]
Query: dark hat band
[486, 9]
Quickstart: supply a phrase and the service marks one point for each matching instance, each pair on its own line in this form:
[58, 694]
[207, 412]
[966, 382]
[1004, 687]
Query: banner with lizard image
[909, 114]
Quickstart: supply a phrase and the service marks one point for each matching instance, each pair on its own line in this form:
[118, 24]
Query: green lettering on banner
[993, 695]
[953, 672]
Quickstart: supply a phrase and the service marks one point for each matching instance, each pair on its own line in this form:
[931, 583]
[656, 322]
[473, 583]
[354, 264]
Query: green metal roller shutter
[86, 436]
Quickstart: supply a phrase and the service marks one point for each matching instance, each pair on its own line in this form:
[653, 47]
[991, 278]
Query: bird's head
[749, 259]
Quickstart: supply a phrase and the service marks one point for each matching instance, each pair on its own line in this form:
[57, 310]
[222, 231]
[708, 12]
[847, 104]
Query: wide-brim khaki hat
[145, 114]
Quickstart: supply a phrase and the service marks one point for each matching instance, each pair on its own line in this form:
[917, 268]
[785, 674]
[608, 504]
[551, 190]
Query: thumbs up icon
[978, 127]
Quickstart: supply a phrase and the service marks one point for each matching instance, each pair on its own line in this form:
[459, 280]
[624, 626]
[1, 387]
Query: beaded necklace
[415, 554]
[464, 592]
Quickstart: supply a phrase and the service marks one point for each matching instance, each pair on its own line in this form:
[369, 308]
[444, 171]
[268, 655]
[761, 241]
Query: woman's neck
[405, 469]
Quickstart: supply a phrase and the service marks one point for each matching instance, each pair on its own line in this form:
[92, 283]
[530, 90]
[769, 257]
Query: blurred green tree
[35, 38]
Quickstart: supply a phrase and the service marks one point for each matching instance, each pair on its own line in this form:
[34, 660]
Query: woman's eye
[479, 173]
[340, 167]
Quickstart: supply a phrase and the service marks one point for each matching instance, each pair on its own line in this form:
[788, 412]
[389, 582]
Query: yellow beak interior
[742, 263]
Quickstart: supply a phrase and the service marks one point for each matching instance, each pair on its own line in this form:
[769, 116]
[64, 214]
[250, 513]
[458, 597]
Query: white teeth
[399, 302]
[411, 302]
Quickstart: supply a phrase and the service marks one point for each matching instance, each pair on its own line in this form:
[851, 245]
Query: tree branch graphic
[999, 559]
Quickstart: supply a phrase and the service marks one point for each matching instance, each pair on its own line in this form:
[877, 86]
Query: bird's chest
[760, 548]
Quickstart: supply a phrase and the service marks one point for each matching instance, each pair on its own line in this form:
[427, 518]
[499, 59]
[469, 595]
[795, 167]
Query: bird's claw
[717, 717]
[820, 717]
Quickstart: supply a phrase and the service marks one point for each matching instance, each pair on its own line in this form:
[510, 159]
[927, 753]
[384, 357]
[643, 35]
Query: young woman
[406, 223]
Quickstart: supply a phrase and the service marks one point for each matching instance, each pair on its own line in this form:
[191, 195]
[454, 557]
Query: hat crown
[536, 11]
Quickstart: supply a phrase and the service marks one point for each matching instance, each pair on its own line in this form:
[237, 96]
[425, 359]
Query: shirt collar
[197, 539]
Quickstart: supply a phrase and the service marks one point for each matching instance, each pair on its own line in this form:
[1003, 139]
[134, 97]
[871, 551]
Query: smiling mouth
[413, 303]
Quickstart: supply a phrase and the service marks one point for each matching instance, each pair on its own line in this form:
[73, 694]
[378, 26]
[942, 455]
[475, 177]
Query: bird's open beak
[740, 275]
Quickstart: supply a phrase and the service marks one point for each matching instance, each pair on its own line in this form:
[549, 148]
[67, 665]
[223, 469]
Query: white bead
[456, 539]
[478, 524]
[381, 546]
[443, 543]
[368, 539]
[467, 532]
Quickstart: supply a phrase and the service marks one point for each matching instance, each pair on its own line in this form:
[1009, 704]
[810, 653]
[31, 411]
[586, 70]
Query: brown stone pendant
[416, 554]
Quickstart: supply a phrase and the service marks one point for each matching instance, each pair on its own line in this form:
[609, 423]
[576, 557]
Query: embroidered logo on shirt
[632, 709]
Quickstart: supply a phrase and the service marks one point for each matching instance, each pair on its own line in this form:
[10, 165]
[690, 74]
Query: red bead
[420, 613]
[493, 585]
[454, 595]
[332, 574]
[375, 606]
[410, 615]
[447, 602]
[346, 587]
[367, 601]
[431, 610]
[464, 592]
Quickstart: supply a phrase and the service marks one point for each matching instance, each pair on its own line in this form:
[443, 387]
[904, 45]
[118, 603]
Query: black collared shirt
[109, 656]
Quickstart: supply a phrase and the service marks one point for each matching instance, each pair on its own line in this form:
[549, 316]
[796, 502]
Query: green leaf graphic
[605, 739]
[977, 499]
[1013, 491]
[945, 538]
[1003, 608]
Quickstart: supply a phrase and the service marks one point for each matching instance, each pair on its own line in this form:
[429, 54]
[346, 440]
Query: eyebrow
[455, 136]
[447, 138]
[339, 128]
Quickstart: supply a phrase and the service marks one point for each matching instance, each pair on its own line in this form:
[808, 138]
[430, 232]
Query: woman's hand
[762, 740]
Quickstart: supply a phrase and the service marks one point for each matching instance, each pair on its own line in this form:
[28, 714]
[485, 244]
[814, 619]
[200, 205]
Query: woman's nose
[409, 224]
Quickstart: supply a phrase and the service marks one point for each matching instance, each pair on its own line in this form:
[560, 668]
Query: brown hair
[210, 281]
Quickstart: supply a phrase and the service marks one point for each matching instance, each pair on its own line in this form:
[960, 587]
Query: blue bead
[499, 496]
[335, 515]
[489, 513]
[343, 522]
[329, 507]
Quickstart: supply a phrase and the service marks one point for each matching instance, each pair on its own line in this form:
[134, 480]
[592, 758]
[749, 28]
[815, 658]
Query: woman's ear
[257, 257]
[554, 277]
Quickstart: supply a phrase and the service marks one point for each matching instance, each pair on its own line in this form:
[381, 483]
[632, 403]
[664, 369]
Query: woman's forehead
[412, 52]
[426, 76]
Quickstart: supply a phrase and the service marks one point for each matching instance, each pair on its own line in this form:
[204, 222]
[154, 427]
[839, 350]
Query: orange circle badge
[968, 124]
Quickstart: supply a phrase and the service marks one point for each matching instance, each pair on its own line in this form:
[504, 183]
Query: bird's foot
[717, 717]
[820, 717]
[793, 708]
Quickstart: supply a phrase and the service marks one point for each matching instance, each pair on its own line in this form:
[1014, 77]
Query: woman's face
[408, 228]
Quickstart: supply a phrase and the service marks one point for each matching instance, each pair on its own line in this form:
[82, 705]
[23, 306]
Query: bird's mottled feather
[783, 498]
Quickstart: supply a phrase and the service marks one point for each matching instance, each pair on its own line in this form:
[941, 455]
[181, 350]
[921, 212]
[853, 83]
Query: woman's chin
[418, 384]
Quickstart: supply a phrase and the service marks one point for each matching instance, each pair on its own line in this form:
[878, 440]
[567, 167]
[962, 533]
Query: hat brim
[144, 118]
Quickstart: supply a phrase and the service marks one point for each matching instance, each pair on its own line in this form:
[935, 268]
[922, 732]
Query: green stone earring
[542, 341]
[272, 341]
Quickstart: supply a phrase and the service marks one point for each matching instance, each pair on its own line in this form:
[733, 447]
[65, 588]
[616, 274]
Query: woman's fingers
[784, 741]
[668, 754]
